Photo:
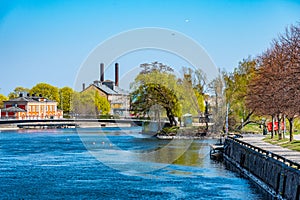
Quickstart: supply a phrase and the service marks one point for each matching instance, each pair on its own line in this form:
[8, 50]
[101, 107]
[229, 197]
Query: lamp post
[206, 114]
[263, 122]
[226, 119]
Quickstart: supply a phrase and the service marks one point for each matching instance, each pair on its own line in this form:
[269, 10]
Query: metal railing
[267, 153]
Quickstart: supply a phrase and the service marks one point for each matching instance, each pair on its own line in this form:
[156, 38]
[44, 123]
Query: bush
[169, 130]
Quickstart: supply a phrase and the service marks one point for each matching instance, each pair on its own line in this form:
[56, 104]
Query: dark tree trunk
[272, 132]
[279, 132]
[291, 121]
[171, 117]
[245, 122]
[283, 131]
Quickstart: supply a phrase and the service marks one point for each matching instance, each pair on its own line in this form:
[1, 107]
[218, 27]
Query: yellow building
[118, 98]
[31, 107]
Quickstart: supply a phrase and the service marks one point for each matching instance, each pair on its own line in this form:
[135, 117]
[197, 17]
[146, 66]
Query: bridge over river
[68, 123]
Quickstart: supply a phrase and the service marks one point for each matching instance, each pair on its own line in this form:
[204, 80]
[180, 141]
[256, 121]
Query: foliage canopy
[151, 94]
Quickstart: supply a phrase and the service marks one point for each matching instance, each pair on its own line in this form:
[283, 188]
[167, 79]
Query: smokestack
[117, 74]
[83, 86]
[101, 72]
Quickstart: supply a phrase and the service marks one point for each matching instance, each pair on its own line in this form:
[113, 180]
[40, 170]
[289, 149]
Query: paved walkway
[256, 140]
[297, 137]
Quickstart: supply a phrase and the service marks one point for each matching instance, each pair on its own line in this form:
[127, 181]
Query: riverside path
[257, 140]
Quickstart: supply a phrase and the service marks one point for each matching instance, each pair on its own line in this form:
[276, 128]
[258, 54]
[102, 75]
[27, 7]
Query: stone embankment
[275, 169]
[8, 127]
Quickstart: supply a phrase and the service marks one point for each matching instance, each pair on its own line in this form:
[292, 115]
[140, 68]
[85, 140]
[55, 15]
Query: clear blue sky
[47, 41]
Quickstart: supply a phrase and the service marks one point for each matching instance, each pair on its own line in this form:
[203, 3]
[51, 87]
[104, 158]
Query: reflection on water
[136, 153]
[54, 164]
[195, 155]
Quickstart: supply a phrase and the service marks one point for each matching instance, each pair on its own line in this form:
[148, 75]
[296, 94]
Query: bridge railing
[266, 153]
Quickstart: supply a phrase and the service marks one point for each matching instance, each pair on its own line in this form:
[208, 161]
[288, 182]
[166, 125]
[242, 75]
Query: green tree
[151, 94]
[87, 103]
[187, 93]
[90, 104]
[46, 90]
[65, 94]
[195, 80]
[17, 92]
[102, 104]
[155, 73]
[76, 103]
[2, 98]
[218, 103]
[236, 91]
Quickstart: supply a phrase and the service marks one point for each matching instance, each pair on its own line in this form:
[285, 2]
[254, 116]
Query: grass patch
[254, 128]
[294, 145]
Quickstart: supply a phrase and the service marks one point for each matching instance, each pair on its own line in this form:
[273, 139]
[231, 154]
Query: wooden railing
[266, 153]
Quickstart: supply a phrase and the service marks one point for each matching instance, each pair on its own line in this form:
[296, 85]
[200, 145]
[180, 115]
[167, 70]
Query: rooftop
[13, 109]
[29, 99]
[115, 91]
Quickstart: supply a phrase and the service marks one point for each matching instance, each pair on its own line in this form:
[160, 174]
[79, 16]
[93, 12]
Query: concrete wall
[277, 178]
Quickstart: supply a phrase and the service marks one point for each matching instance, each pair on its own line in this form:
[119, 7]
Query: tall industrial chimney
[117, 74]
[83, 86]
[101, 72]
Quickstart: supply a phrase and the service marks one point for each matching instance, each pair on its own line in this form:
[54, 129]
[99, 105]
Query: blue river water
[112, 163]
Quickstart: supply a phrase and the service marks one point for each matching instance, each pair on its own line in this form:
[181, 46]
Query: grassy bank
[252, 128]
[294, 145]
